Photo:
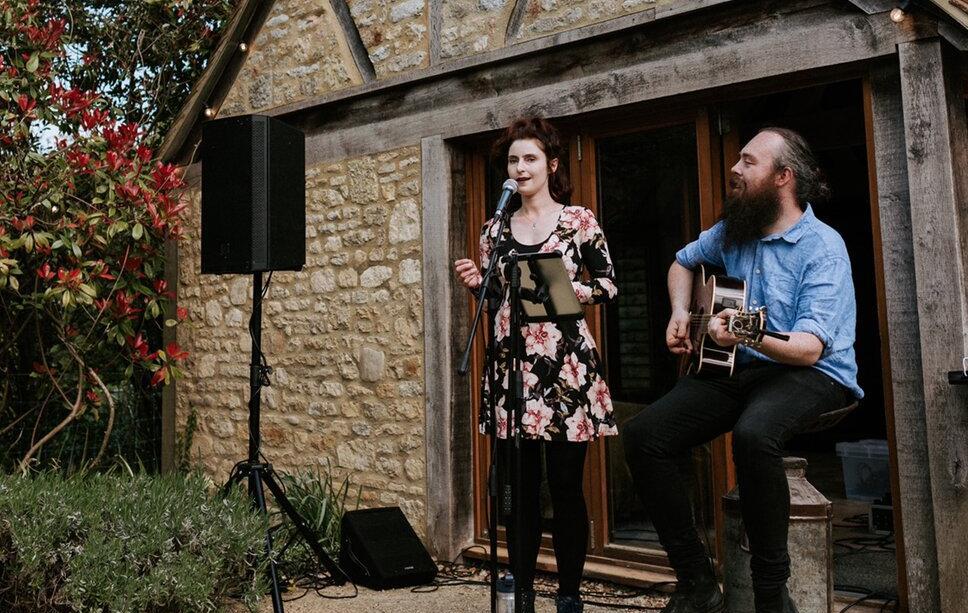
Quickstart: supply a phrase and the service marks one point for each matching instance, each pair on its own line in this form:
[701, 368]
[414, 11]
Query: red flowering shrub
[85, 212]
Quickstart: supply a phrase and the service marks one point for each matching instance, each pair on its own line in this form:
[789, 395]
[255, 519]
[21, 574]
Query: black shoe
[698, 593]
[569, 604]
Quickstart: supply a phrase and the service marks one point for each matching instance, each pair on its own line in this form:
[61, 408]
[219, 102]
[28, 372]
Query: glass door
[651, 190]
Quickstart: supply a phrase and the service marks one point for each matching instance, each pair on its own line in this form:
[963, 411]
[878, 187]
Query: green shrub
[138, 544]
[321, 503]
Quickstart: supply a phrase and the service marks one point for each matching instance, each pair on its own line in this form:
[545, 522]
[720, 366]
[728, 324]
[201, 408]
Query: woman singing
[567, 402]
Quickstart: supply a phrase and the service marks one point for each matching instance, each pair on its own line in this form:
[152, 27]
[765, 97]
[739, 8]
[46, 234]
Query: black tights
[565, 463]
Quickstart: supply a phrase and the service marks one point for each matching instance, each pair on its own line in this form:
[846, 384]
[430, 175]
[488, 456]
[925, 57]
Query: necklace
[534, 222]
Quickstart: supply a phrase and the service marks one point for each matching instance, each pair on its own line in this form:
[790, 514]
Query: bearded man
[797, 267]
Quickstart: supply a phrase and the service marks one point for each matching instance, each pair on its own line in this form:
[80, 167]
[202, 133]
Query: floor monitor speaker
[380, 550]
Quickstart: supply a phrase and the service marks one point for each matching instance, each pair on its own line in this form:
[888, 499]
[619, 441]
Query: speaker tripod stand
[259, 475]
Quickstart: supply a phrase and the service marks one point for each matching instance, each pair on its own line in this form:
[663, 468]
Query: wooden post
[448, 444]
[914, 514]
[935, 135]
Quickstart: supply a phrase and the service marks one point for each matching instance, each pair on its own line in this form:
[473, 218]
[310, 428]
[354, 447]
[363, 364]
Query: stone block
[405, 222]
[372, 364]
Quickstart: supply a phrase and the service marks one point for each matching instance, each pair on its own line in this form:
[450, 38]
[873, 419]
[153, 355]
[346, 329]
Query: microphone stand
[494, 305]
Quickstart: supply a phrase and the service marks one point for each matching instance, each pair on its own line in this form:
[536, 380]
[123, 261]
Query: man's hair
[796, 155]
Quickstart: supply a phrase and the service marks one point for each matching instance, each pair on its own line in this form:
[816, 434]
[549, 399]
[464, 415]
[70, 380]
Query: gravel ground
[453, 597]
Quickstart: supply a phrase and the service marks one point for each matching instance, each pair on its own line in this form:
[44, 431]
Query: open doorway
[848, 463]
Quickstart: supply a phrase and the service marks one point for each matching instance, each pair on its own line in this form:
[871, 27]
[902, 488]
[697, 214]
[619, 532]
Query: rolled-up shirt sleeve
[707, 249]
[825, 301]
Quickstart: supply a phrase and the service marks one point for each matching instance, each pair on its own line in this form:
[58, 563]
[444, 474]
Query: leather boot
[697, 592]
[569, 604]
[776, 603]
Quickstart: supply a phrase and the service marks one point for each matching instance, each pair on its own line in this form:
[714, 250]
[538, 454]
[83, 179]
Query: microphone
[509, 188]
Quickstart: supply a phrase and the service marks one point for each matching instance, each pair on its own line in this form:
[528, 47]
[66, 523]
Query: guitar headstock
[748, 325]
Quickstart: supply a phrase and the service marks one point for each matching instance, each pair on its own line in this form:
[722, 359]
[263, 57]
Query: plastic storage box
[865, 467]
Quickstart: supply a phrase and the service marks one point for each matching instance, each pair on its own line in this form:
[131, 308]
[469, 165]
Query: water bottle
[505, 594]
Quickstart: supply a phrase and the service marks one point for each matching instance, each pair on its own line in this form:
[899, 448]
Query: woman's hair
[550, 141]
[797, 155]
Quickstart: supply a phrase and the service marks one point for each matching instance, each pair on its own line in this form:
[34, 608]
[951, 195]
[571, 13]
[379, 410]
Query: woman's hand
[468, 273]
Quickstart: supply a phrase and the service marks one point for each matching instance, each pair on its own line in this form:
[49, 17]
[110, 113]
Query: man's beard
[747, 215]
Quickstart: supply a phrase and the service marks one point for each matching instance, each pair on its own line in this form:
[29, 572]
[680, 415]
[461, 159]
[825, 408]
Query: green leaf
[171, 323]
[87, 289]
[14, 284]
[33, 62]
[137, 231]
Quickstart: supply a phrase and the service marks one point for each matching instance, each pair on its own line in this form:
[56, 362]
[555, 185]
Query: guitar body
[711, 294]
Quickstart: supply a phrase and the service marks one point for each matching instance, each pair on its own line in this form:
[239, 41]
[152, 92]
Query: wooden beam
[351, 33]
[436, 22]
[222, 66]
[935, 135]
[662, 61]
[514, 21]
[912, 503]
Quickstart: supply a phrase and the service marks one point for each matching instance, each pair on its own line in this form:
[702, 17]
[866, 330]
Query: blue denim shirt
[803, 277]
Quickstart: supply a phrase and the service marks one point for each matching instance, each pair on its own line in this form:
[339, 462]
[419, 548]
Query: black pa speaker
[253, 195]
[380, 550]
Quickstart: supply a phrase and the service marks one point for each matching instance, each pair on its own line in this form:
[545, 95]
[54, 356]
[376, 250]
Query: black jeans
[764, 404]
[565, 463]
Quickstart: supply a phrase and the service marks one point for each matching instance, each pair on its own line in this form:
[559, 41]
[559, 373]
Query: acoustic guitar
[711, 294]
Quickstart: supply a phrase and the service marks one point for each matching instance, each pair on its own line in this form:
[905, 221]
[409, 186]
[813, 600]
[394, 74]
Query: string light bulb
[209, 112]
[899, 12]
[243, 47]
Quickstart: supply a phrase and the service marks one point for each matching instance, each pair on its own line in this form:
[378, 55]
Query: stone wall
[394, 32]
[344, 337]
[299, 53]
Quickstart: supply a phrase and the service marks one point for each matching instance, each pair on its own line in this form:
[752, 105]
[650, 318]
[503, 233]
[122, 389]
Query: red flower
[165, 176]
[181, 313]
[123, 306]
[160, 285]
[44, 272]
[174, 352]
[69, 278]
[144, 153]
[159, 376]
[127, 191]
[139, 346]
[21, 224]
[26, 103]
[48, 36]
[78, 160]
[92, 118]
[116, 161]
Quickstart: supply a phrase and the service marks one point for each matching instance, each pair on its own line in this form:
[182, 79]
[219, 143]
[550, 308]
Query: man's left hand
[718, 330]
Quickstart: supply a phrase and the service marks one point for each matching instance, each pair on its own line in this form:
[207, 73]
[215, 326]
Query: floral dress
[566, 397]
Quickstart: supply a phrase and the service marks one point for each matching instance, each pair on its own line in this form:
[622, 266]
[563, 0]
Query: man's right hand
[677, 333]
